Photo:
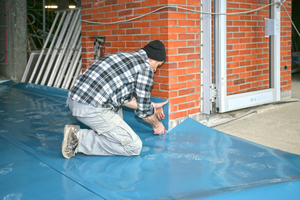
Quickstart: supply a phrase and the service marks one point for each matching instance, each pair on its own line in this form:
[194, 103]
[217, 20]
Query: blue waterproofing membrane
[191, 161]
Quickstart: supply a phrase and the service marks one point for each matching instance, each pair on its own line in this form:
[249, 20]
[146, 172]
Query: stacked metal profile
[59, 62]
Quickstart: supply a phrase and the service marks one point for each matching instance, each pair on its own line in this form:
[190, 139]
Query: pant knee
[134, 148]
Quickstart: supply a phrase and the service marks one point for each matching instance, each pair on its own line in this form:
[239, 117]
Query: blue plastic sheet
[191, 161]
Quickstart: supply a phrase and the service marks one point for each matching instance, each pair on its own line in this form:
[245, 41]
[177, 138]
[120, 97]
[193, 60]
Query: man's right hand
[159, 129]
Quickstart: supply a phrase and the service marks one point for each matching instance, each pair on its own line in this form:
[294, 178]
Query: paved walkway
[274, 125]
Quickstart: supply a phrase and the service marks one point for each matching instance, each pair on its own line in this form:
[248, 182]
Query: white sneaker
[70, 141]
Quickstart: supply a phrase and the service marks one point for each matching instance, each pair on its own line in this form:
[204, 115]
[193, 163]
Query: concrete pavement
[275, 125]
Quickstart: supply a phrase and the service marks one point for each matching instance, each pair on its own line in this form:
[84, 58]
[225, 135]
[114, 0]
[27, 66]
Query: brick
[193, 56]
[177, 115]
[141, 24]
[239, 46]
[110, 2]
[118, 7]
[118, 32]
[171, 51]
[125, 25]
[177, 44]
[233, 65]
[232, 53]
[142, 37]
[150, 30]
[232, 89]
[169, 66]
[111, 26]
[118, 44]
[151, 17]
[173, 94]
[186, 22]
[133, 5]
[164, 37]
[186, 105]
[251, 34]
[111, 50]
[186, 64]
[193, 29]
[193, 16]
[245, 86]
[111, 38]
[94, 16]
[194, 83]
[124, 1]
[251, 79]
[186, 77]
[133, 31]
[239, 23]
[92, 10]
[133, 44]
[186, 50]
[250, 46]
[173, 86]
[238, 58]
[186, 91]
[239, 70]
[262, 77]
[125, 12]
[245, 52]
[194, 111]
[176, 72]
[245, 40]
[104, 9]
[193, 43]
[239, 35]
[256, 84]
[244, 75]
[256, 62]
[174, 2]
[251, 23]
[255, 73]
[176, 15]
[245, 18]
[85, 6]
[173, 30]
[139, 11]
[193, 2]
[193, 70]
[163, 23]
[155, 86]
[126, 49]
[150, 3]
[179, 100]
[233, 17]
[255, 40]
[193, 97]
[239, 81]
[162, 94]
[173, 109]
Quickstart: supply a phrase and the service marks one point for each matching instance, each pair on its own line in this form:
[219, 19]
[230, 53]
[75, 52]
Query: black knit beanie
[155, 50]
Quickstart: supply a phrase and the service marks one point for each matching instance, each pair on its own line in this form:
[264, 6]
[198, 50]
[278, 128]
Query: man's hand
[159, 109]
[159, 129]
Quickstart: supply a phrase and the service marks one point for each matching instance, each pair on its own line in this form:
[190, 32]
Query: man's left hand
[159, 109]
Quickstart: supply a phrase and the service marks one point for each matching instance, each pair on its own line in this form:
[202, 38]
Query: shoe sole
[65, 141]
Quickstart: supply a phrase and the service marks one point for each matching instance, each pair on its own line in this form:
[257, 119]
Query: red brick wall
[248, 49]
[286, 48]
[179, 78]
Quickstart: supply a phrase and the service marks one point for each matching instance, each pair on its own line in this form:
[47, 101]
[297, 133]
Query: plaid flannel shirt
[114, 80]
